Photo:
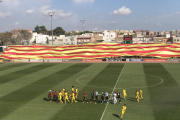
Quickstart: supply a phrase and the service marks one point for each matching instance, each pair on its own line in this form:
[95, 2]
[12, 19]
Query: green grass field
[23, 87]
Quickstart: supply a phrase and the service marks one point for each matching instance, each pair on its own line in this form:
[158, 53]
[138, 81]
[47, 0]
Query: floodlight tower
[83, 21]
[51, 14]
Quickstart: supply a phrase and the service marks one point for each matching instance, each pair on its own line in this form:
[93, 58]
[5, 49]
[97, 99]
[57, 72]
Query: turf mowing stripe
[132, 79]
[14, 75]
[44, 110]
[113, 91]
[12, 66]
[5, 64]
[107, 77]
[21, 82]
[8, 71]
[91, 111]
[165, 97]
[173, 69]
[22, 96]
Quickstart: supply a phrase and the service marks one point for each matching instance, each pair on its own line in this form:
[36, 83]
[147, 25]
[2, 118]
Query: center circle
[138, 81]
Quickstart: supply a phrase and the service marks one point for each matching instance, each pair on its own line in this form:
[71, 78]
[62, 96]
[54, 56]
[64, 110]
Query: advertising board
[20, 60]
[136, 60]
[55, 60]
[36, 60]
[154, 60]
[84, 60]
[66, 60]
[6, 60]
[92, 60]
[76, 60]
[72, 60]
[173, 60]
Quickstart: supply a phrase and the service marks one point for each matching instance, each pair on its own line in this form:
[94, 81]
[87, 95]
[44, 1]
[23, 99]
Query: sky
[155, 15]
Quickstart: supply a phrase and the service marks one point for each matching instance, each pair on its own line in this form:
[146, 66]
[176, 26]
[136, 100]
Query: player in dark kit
[85, 95]
[102, 97]
[48, 93]
[92, 96]
[107, 96]
[49, 97]
[53, 96]
[68, 93]
[119, 96]
[56, 95]
[96, 96]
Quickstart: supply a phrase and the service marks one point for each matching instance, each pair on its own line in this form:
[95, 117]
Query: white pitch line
[112, 91]
[77, 80]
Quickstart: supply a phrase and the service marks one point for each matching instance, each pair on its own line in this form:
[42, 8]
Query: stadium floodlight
[83, 21]
[51, 14]
[0, 0]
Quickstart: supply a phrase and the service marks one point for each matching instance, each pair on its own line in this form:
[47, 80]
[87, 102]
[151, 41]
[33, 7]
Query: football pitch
[24, 87]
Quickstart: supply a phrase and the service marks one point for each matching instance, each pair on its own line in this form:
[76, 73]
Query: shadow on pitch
[131, 99]
[116, 115]
[79, 100]
[46, 99]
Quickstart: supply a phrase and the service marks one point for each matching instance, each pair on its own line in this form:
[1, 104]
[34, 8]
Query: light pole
[83, 21]
[51, 14]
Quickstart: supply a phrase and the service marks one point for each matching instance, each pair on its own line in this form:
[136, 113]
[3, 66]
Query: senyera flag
[91, 51]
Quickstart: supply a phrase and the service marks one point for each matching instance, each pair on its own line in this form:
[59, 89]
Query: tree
[36, 29]
[1, 43]
[1, 39]
[22, 37]
[59, 31]
[17, 38]
[68, 34]
[26, 36]
[88, 31]
[121, 34]
[40, 29]
[43, 30]
[6, 38]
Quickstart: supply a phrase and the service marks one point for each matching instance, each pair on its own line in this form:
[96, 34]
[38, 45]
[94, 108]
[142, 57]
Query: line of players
[64, 96]
[104, 97]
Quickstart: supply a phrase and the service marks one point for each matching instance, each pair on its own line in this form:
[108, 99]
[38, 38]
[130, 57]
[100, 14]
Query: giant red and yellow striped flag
[91, 51]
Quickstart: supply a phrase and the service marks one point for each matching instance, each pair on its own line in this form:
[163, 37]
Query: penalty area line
[113, 90]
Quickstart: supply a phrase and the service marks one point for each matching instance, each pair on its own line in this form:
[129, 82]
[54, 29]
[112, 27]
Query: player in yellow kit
[73, 98]
[63, 94]
[137, 96]
[60, 97]
[123, 109]
[124, 93]
[76, 93]
[140, 94]
[66, 96]
[72, 89]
